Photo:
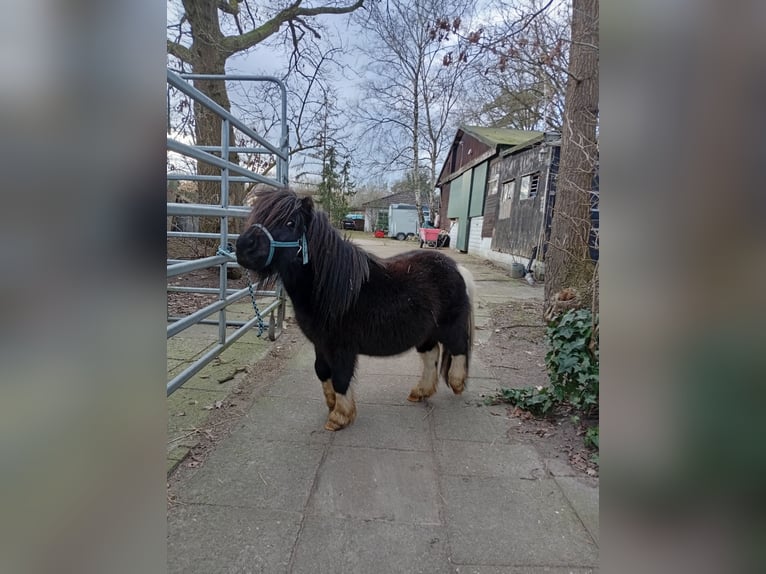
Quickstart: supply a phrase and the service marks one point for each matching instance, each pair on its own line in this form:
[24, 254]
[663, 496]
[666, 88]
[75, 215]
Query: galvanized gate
[218, 156]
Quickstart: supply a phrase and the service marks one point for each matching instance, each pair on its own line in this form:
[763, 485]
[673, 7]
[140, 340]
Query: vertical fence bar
[225, 128]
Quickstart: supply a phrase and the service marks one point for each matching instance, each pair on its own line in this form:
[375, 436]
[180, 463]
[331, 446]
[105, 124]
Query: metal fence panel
[219, 157]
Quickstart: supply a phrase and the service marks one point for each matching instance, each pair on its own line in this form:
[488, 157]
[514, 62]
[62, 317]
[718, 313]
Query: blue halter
[301, 244]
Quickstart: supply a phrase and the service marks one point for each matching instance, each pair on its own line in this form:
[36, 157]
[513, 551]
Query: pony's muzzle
[252, 249]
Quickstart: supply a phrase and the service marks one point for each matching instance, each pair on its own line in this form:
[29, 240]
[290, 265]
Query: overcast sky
[271, 58]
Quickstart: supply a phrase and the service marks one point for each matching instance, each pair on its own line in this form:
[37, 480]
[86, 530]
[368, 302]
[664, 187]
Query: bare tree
[524, 68]
[568, 261]
[209, 32]
[313, 116]
[520, 62]
[409, 98]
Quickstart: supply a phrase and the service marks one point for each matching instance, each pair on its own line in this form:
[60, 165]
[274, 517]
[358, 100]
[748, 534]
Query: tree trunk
[432, 184]
[568, 262]
[210, 58]
[416, 144]
[208, 54]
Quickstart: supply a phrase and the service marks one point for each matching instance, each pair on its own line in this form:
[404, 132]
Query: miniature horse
[348, 302]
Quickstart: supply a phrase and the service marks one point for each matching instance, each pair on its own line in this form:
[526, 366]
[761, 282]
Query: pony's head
[276, 232]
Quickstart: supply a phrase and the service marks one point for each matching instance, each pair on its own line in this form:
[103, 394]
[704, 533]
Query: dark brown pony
[349, 302]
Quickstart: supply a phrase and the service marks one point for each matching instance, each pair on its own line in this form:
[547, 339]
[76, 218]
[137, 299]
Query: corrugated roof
[501, 141]
[399, 197]
[503, 136]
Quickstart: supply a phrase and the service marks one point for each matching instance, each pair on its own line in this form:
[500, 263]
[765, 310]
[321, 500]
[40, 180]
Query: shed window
[492, 185]
[506, 199]
[508, 190]
[529, 185]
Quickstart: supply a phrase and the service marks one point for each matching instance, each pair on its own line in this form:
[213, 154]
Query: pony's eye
[290, 224]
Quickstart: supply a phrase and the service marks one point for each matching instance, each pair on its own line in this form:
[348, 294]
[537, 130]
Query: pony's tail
[445, 361]
[445, 358]
[470, 289]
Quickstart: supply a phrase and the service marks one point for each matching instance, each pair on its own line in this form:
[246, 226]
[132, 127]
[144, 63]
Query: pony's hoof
[335, 423]
[331, 426]
[412, 397]
[457, 387]
[343, 414]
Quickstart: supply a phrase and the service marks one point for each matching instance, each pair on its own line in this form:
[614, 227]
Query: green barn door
[466, 200]
[459, 197]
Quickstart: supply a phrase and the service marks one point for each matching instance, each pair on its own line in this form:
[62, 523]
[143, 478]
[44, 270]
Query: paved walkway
[432, 487]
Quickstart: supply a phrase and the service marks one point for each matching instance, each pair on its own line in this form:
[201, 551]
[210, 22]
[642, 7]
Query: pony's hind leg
[458, 373]
[460, 339]
[343, 411]
[426, 387]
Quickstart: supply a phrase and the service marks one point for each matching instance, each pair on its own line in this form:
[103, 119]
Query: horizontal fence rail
[230, 172]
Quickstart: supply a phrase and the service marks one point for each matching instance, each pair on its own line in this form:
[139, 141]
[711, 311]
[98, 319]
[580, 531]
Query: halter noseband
[301, 244]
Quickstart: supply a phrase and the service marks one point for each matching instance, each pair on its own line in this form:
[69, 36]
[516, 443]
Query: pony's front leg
[429, 354]
[343, 412]
[324, 374]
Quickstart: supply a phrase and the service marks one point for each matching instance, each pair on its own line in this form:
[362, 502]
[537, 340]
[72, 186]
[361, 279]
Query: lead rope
[250, 286]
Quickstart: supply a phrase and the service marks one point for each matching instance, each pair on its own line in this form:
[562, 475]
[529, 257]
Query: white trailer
[402, 220]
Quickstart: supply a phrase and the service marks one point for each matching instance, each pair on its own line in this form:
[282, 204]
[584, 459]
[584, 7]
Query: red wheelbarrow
[429, 236]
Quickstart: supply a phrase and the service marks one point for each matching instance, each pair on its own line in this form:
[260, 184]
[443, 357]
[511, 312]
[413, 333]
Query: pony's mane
[273, 207]
[340, 267]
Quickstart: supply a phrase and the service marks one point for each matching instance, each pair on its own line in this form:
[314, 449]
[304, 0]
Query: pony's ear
[307, 205]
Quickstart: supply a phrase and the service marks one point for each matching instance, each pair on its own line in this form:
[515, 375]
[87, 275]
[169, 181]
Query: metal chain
[250, 287]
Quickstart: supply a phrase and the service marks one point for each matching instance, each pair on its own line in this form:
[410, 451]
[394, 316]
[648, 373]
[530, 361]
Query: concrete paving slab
[340, 546]
[200, 332]
[381, 426]
[255, 474]
[186, 412]
[302, 359]
[377, 484]
[583, 495]
[205, 539]
[298, 384]
[479, 369]
[460, 458]
[470, 421]
[479, 388]
[287, 419]
[497, 521]
[389, 389]
[217, 378]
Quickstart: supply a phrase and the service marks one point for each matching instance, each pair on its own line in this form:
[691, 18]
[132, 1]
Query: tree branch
[179, 51]
[239, 43]
[230, 7]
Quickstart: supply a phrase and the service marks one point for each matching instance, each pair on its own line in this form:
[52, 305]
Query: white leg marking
[430, 377]
[329, 394]
[457, 374]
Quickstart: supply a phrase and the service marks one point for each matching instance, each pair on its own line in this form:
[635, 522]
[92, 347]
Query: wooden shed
[497, 187]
